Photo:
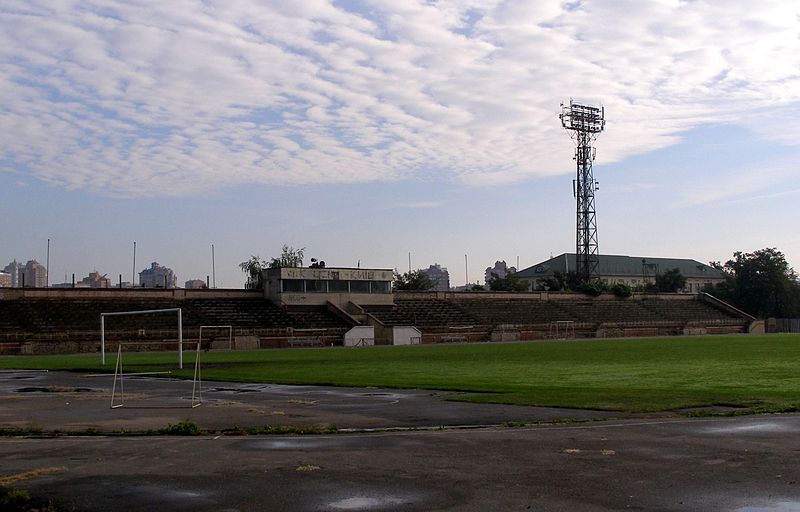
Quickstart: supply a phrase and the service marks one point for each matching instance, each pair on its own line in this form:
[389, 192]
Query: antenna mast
[584, 123]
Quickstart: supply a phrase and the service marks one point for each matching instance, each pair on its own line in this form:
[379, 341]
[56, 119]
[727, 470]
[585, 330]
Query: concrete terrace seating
[389, 315]
[422, 313]
[42, 315]
[305, 317]
[687, 310]
[235, 312]
[515, 311]
[609, 311]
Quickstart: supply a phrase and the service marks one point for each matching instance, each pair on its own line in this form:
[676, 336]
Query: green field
[761, 373]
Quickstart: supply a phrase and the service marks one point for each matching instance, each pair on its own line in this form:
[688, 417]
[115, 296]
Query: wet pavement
[743, 464]
[77, 402]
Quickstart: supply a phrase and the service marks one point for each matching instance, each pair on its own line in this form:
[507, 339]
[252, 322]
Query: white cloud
[417, 205]
[176, 98]
[752, 183]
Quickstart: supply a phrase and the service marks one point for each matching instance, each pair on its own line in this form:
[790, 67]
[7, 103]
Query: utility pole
[133, 274]
[47, 267]
[213, 268]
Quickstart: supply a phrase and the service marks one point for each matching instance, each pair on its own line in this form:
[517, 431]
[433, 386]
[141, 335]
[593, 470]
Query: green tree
[509, 283]
[761, 283]
[670, 281]
[592, 288]
[622, 290]
[416, 280]
[290, 257]
[253, 268]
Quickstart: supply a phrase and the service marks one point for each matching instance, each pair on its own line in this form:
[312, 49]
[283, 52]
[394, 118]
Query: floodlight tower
[584, 122]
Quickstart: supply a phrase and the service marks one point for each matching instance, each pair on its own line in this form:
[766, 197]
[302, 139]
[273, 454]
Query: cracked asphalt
[742, 464]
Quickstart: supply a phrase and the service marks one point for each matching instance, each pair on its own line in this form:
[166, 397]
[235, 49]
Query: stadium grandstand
[304, 306]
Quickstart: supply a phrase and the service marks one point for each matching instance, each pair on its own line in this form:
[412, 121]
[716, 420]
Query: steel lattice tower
[584, 122]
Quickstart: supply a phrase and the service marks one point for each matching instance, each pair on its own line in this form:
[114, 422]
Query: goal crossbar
[141, 312]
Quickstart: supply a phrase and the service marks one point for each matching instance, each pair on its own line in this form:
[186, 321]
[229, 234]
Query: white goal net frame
[118, 397]
[562, 329]
[142, 312]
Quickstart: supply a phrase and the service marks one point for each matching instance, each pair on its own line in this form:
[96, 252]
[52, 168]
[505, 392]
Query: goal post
[562, 329]
[118, 386]
[141, 312]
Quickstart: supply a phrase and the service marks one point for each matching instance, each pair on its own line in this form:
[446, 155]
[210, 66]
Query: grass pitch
[760, 373]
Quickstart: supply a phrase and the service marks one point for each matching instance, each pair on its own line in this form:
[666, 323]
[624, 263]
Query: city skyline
[363, 131]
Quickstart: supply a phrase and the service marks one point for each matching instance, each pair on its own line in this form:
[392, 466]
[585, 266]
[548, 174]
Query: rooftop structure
[634, 271]
[317, 286]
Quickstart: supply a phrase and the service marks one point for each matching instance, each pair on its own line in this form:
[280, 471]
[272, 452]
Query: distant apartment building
[33, 275]
[13, 269]
[5, 280]
[195, 284]
[157, 276]
[440, 277]
[500, 268]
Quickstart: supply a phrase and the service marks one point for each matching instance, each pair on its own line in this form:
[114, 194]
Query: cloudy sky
[368, 130]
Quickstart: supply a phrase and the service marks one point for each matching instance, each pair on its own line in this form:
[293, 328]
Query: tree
[510, 283]
[761, 283]
[670, 281]
[254, 269]
[592, 288]
[290, 257]
[255, 266]
[416, 280]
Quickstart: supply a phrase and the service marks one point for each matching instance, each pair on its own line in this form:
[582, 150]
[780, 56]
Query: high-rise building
[500, 269]
[13, 269]
[5, 280]
[440, 277]
[157, 277]
[33, 275]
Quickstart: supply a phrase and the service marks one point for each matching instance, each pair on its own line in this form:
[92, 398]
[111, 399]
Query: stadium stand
[48, 321]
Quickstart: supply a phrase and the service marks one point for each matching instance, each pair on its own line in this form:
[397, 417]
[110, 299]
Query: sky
[368, 131]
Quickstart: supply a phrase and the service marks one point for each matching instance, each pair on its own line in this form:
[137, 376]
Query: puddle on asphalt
[300, 443]
[781, 506]
[365, 503]
[752, 428]
[234, 390]
[53, 389]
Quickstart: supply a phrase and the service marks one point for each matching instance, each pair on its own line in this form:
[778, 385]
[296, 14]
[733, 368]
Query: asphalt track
[744, 464]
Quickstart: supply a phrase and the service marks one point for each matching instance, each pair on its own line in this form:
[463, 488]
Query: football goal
[141, 312]
[150, 393]
[562, 330]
